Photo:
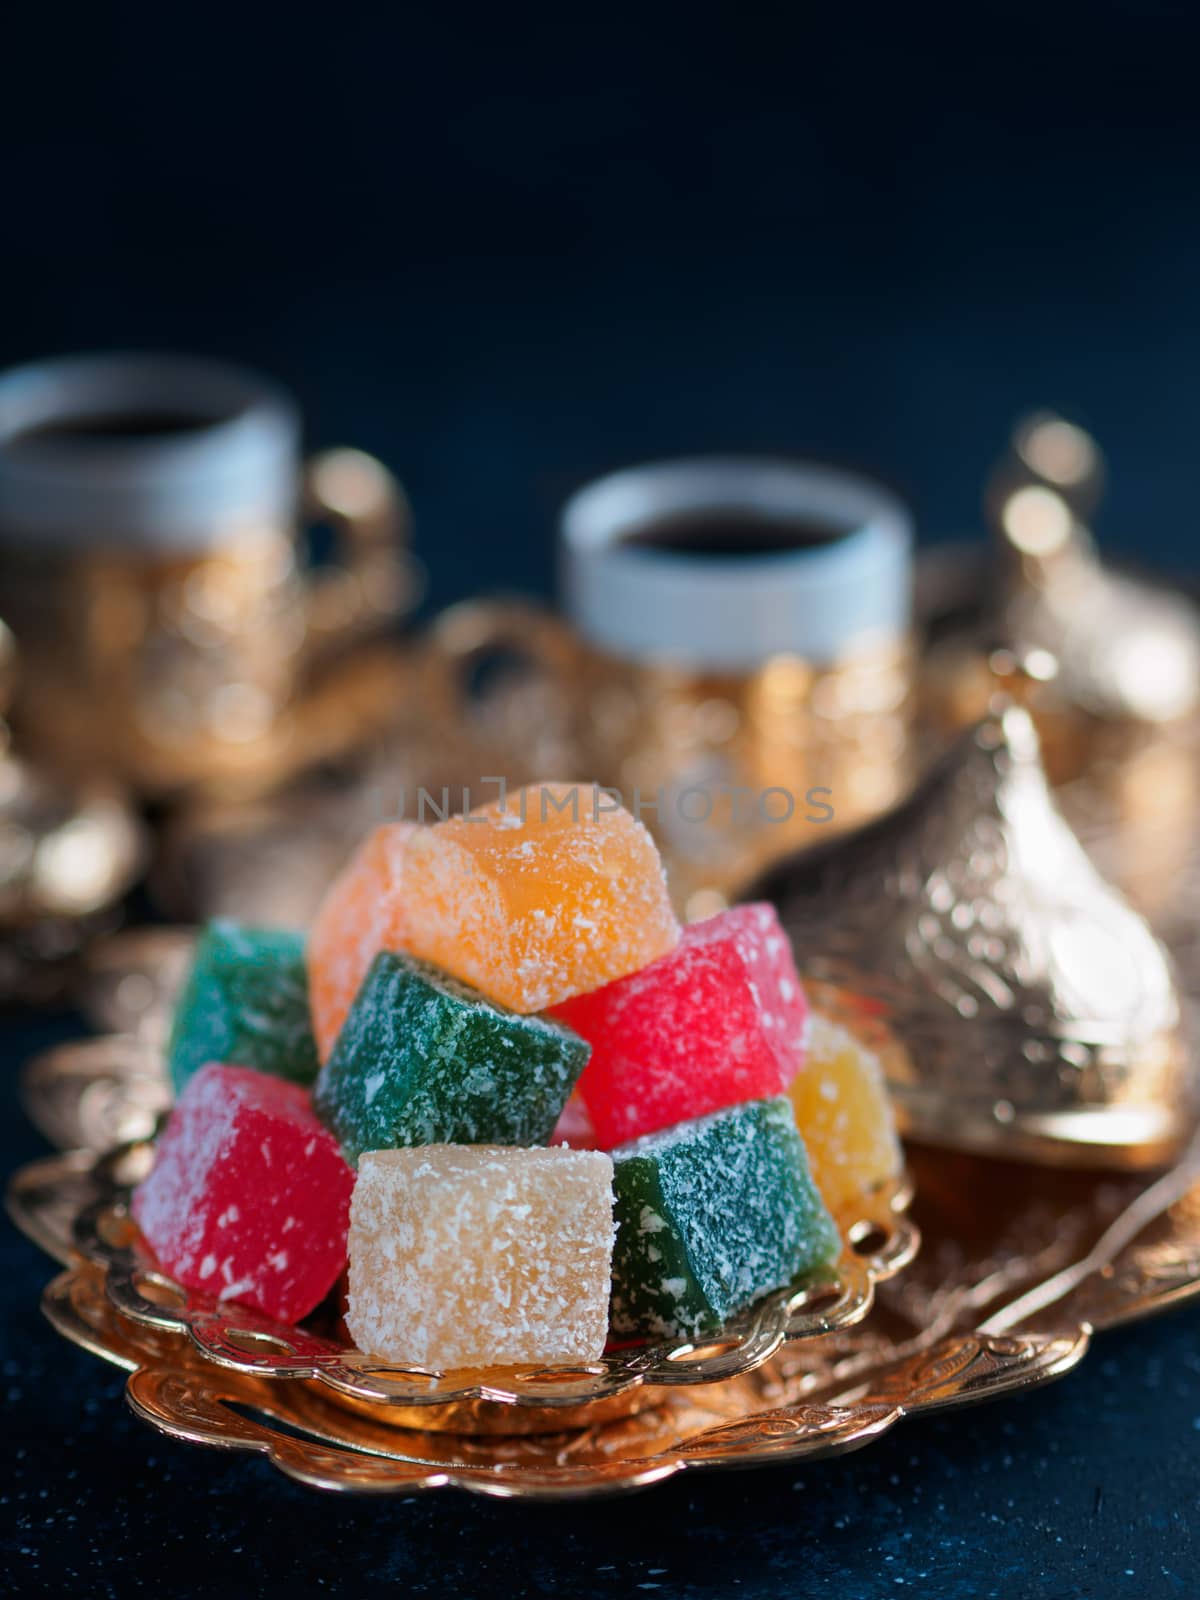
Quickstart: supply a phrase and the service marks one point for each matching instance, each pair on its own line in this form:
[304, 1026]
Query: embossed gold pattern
[1039, 1012]
[209, 668]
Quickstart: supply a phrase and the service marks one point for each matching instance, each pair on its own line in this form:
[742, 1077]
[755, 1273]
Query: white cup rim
[731, 613]
[234, 471]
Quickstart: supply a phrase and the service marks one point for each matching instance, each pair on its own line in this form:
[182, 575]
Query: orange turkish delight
[550, 892]
[844, 1114]
[362, 913]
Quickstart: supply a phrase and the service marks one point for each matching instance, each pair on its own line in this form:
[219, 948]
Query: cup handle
[472, 629]
[375, 576]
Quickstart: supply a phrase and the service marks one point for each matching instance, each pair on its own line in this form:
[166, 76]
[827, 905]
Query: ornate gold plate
[1020, 1267]
[880, 1240]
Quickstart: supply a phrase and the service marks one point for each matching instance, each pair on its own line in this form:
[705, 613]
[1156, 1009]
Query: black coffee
[127, 427]
[715, 534]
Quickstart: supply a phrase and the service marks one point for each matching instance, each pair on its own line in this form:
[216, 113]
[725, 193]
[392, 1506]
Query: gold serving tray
[879, 1241]
[1019, 1267]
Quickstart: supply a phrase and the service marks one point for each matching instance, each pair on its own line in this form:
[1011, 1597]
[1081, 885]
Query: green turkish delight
[245, 1003]
[711, 1214]
[423, 1059]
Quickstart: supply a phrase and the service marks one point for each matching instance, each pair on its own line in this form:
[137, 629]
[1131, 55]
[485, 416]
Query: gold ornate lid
[1128, 650]
[1039, 1012]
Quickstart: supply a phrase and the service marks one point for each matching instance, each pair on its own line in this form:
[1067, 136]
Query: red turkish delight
[249, 1197]
[720, 1020]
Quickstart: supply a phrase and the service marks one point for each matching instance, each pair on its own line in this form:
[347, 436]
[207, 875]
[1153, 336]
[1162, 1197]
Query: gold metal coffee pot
[1040, 1015]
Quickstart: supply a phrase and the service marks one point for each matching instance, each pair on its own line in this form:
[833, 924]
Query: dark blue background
[505, 249]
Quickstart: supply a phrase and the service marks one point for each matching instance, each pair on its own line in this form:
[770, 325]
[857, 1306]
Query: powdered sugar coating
[844, 1114]
[480, 1256]
[363, 912]
[710, 1215]
[422, 1059]
[245, 1001]
[720, 1020]
[540, 899]
[249, 1197]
